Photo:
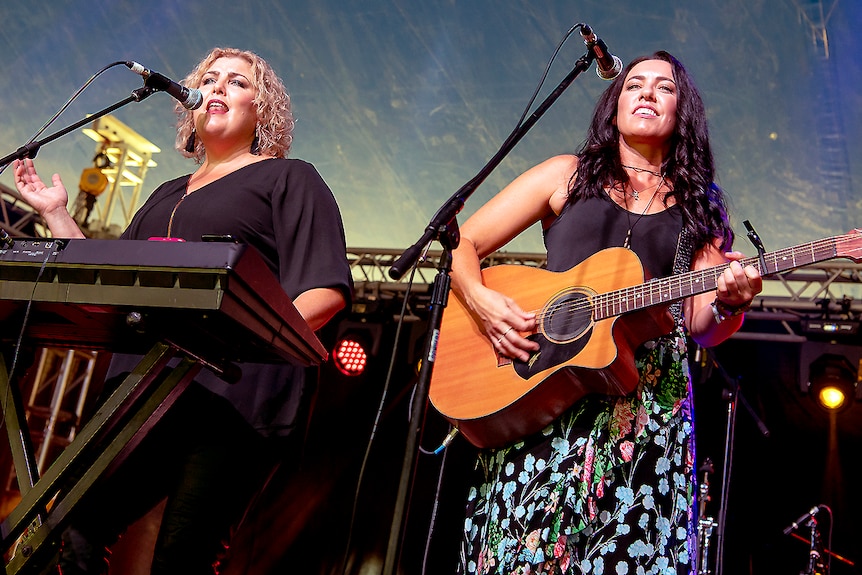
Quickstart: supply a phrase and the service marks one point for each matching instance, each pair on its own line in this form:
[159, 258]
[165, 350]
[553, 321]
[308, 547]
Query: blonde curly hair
[275, 119]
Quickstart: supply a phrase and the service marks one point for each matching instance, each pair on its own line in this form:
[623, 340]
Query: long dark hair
[689, 165]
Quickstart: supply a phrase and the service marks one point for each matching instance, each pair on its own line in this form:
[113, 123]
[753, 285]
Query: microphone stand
[733, 395]
[24, 459]
[30, 150]
[815, 551]
[444, 228]
[705, 524]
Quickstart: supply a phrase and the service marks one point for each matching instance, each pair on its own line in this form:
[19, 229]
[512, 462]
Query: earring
[255, 144]
[190, 143]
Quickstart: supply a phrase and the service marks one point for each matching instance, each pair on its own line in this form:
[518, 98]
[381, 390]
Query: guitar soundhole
[567, 315]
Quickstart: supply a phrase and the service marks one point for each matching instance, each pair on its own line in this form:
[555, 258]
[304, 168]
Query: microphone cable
[377, 418]
[62, 109]
[547, 71]
[17, 348]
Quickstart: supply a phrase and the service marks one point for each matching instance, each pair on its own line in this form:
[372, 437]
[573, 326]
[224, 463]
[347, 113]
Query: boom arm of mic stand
[444, 227]
[454, 204]
[30, 150]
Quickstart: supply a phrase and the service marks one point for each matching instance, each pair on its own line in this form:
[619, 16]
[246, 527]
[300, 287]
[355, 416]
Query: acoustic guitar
[591, 319]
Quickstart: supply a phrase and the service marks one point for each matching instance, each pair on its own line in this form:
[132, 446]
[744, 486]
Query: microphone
[795, 525]
[608, 66]
[190, 98]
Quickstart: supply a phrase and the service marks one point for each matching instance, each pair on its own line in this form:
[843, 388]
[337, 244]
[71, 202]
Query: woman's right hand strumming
[504, 321]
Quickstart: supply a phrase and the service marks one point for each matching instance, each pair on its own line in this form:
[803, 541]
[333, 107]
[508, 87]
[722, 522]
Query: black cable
[434, 510]
[17, 347]
[5, 240]
[829, 540]
[725, 480]
[66, 105]
[377, 418]
[547, 70]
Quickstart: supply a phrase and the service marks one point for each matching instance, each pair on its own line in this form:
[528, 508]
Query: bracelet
[721, 311]
[715, 313]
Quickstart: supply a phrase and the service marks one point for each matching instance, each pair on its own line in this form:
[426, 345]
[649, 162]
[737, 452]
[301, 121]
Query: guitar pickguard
[565, 327]
[550, 354]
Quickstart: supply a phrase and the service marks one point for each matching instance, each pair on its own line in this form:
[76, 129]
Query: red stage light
[350, 356]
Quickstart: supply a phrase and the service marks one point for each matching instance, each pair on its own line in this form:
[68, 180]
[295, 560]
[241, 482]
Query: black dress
[284, 209]
[214, 448]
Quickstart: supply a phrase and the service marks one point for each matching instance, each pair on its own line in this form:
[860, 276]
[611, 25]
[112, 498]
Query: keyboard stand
[104, 442]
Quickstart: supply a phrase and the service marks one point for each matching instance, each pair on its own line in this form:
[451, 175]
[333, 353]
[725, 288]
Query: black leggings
[205, 459]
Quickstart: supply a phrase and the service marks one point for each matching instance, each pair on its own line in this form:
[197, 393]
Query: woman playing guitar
[607, 486]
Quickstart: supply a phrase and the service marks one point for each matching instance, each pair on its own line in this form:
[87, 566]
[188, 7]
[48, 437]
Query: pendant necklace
[635, 193]
[186, 192]
[627, 243]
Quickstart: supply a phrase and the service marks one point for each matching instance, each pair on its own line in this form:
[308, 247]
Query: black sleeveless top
[588, 226]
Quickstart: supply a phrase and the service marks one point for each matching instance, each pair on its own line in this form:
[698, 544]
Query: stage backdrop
[399, 103]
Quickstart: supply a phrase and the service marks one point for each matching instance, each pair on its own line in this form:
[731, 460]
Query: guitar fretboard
[676, 287]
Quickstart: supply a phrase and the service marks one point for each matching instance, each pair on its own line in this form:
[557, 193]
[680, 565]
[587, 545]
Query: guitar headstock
[850, 245]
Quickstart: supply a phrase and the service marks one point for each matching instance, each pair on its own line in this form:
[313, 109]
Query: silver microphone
[190, 98]
[608, 66]
[795, 525]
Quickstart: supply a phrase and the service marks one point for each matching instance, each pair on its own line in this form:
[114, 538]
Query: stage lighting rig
[844, 324]
[832, 382]
[355, 346]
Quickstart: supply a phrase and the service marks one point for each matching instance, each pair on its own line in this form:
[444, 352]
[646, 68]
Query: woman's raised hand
[50, 202]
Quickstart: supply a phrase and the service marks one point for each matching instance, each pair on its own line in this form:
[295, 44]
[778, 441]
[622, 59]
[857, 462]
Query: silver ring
[505, 333]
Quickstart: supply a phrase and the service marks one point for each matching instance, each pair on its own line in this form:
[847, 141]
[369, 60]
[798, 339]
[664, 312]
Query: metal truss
[824, 298]
[123, 157]
[375, 289]
[17, 218]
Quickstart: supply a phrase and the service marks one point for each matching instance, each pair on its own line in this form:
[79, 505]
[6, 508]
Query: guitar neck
[676, 287]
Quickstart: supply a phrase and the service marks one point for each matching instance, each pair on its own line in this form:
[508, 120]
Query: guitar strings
[613, 299]
[618, 299]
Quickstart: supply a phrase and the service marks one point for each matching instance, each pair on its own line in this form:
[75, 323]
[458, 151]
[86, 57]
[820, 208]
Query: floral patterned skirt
[607, 488]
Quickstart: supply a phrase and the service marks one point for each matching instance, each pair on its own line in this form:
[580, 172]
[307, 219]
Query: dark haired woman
[608, 486]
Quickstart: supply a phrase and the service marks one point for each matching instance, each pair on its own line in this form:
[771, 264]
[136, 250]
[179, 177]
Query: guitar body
[495, 402]
[591, 319]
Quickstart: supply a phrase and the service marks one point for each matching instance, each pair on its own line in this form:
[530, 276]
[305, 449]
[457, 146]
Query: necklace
[636, 194]
[627, 243]
[177, 205]
[645, 171]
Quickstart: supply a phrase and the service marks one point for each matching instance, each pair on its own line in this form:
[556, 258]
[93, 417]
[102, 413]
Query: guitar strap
[682, 264]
